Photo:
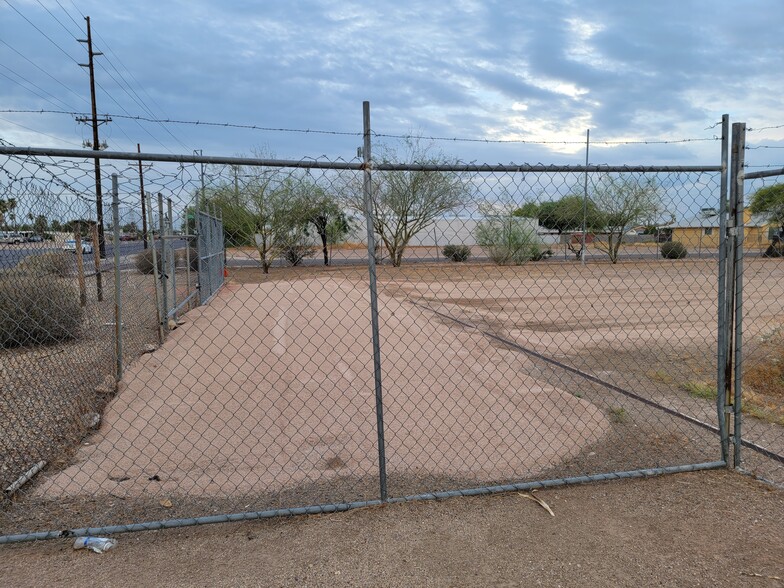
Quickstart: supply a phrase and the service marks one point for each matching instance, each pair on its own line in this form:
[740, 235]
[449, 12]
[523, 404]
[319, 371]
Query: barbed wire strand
[381, 135]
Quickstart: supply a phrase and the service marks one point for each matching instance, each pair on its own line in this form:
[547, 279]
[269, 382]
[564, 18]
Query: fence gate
[391, 329]
[211, 255]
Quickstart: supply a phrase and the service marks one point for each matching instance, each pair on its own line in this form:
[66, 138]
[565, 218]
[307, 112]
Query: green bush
[37, 309]
[57, 263]
[673, 250]
[457, 253]
[508, 240]
[143, 261]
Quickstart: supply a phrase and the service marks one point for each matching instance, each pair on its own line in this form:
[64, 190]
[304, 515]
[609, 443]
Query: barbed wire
[358, 134]
[757, 129]
[751, 148]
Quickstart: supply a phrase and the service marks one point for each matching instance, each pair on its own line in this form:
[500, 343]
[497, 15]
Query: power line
[63, 51]
[80, 96]
[34, 85]
[138, 99]
[54, 17]
[39, 132]
[144, 107]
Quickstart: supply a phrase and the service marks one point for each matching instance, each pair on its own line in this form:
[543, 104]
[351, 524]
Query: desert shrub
[143, 261]
[673, 250]
[295, 253]
[508, 241]
[457, 252]
[539, 253]
[37, 309]
[57, 263]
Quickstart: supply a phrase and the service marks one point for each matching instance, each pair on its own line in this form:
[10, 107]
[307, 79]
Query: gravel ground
[712, 529]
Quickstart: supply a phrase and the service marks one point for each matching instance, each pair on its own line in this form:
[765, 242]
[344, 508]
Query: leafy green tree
[56, 226]
[129, 228]
[266, 211]
[408, 201]
[566, 214]
[323, 212]
[624, 202]
[527, 210]
[769, 201]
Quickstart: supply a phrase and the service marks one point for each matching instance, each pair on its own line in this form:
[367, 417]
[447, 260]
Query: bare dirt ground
[702, 529]
[645, 326]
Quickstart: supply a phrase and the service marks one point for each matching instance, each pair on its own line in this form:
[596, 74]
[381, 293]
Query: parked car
[11, 238]
[70, 245]
[35, 239]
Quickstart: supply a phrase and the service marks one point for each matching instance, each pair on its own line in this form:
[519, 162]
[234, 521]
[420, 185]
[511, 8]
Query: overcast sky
[526, 70]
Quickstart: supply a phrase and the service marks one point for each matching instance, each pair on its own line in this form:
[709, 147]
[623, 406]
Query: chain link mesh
[533, 325]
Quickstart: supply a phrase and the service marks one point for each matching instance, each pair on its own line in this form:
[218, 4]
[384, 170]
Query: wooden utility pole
[96, 145]
[144, 205]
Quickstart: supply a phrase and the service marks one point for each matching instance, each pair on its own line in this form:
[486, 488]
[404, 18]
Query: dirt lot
[702, 529]
[233, 433]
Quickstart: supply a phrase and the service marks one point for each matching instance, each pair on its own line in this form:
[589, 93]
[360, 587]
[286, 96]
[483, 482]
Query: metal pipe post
[164, 269]
[722, 406]
[585, 195]
[172, 260]
[739, 224]
[117, 283]
[366, 193]
[155, 269]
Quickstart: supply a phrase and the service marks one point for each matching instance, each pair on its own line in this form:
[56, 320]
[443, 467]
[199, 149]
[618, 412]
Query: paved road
[10, 255]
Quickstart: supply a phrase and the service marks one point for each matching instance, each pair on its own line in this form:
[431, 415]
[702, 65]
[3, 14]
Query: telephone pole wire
[96, 145]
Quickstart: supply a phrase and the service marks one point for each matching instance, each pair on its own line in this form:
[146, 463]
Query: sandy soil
[712, 529]
[273, 387]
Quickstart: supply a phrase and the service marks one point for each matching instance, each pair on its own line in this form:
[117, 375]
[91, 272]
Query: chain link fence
[413, 328]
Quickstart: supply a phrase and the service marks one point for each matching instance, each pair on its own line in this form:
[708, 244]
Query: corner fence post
[739, 156]
[723, 406]
[371, 243]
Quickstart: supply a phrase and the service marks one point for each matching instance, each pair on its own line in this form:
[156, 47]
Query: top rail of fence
[768, 173]
[347, 165]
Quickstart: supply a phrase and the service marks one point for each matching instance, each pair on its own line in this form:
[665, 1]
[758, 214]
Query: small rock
[149, 348]
[91, 420]
[166, 503]
[107, 386]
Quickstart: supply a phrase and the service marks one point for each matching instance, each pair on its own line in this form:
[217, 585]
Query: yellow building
[701, 232]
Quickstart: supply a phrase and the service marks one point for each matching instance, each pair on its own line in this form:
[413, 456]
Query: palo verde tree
[565, 214]
[624, 201]
[322, 212]
[265, 210]
[407, 201]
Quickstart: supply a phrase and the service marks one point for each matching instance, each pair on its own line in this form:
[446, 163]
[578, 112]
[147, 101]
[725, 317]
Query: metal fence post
[164, 269]
[366, 193]
[155, 269]
[722, 406]
[738, 205]
[172, 261]
[117, 283]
